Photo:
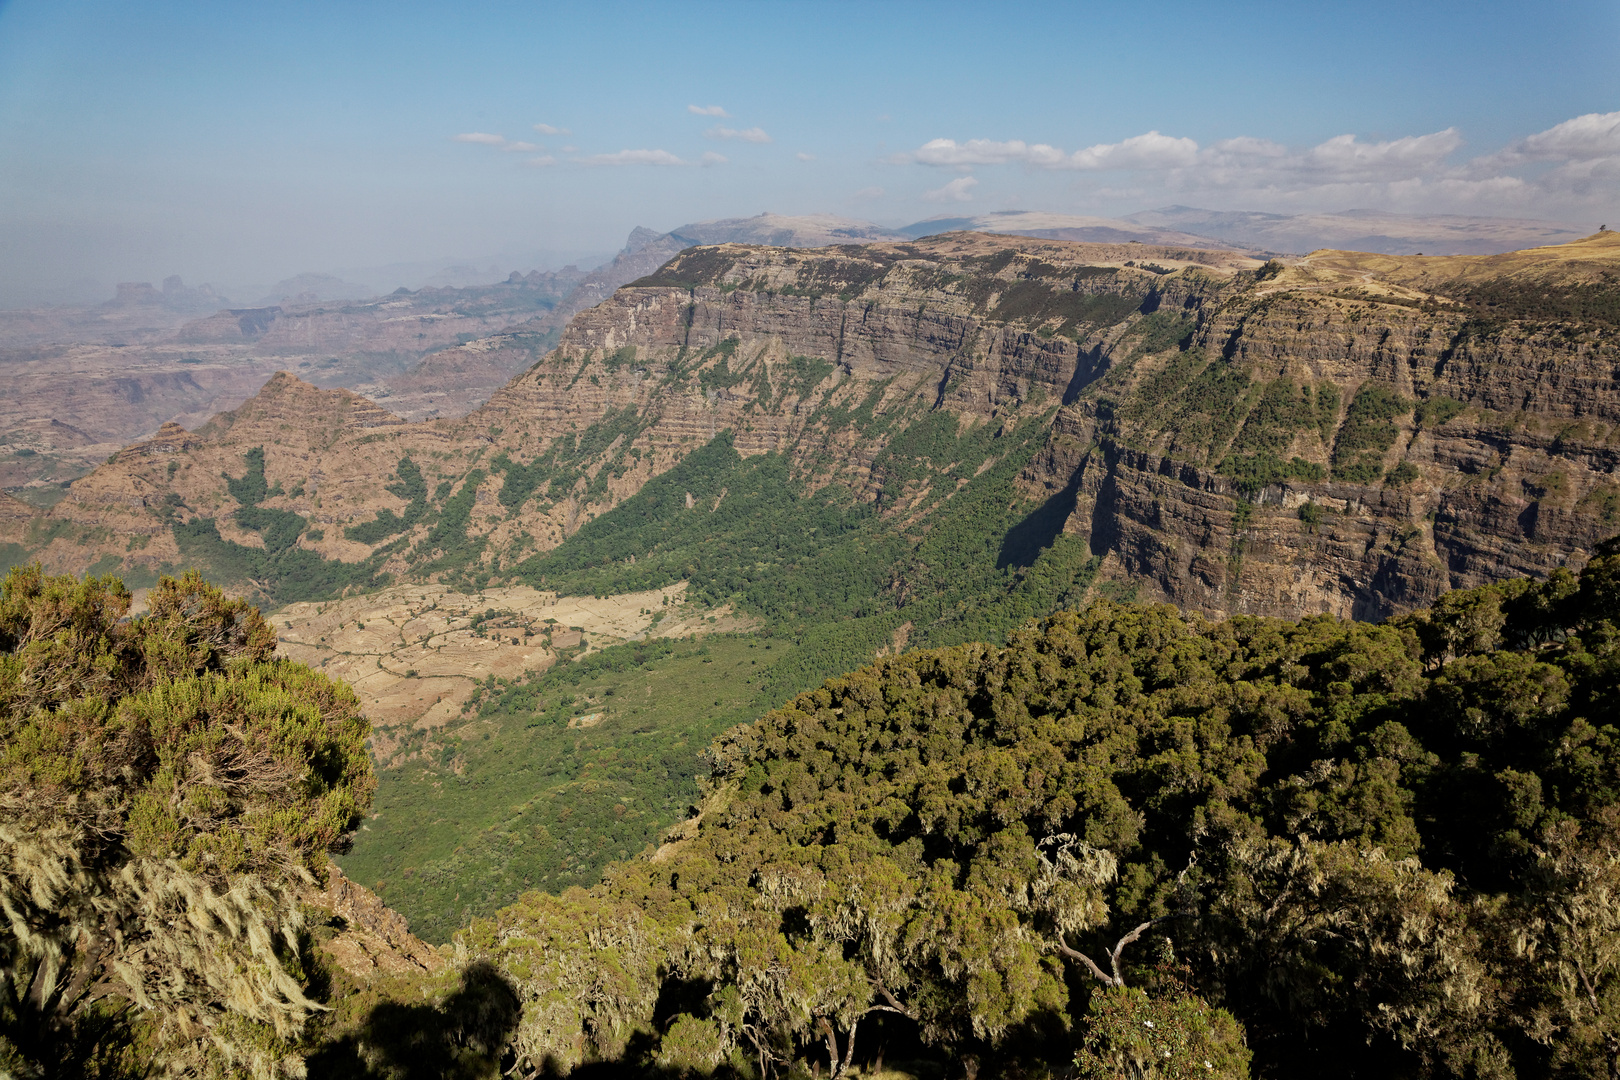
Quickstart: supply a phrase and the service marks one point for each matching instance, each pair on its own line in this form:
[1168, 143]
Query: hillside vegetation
[819, 572]
[1190, 400]
[169, 791]
[1126, 842]
[1341, 849]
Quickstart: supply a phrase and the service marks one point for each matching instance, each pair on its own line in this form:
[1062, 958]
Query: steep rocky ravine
[1349, 434]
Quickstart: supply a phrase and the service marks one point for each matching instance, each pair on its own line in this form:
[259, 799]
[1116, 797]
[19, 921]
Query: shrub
[1173, 1036]
[167, 789]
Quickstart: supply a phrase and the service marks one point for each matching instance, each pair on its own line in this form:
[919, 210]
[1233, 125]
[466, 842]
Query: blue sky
[242, 143]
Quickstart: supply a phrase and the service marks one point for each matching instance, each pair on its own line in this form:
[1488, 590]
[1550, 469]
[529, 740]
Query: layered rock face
[1345, 434]
[1497, 459]
[799, 331]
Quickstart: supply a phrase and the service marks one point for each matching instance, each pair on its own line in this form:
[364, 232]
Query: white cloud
[712, 158]
[1584, 179]
[633, 157]
[1150, 151]
[1342, 155]
[982, 152]
[1572, 167]
[1343, 158]
[482, 138]
[802, 156]
[753, 134]
[708, 110]
[522, 147]
[1247, 148]
[1584, 138]
[868, 193]
[547, 129]
[958, 190]
[1592, 137]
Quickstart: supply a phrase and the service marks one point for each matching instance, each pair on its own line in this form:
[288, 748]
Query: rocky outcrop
[369, 937]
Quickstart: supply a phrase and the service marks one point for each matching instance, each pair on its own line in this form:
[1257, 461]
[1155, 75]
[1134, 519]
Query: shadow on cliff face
[1026, 540]
[460, 1039]
[1086, 370]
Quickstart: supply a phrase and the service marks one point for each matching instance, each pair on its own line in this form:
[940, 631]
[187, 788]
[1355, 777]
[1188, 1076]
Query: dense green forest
[1127, 842]
[829, 571]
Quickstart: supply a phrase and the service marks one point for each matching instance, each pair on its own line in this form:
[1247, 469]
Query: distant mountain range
[312, 288]
[780, 230]
[1044, 226]
[1374, 231]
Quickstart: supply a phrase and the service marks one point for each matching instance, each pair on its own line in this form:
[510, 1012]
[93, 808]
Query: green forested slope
[1384, 850]
[523, 801]
[1127, 842]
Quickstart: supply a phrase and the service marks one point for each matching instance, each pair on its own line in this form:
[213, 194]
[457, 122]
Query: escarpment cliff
[1337, 440]
[1348, 434]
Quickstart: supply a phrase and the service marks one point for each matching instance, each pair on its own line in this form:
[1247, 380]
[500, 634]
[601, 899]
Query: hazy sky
[240, 143]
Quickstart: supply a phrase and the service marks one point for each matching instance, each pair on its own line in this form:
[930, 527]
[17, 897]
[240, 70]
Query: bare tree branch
[1075, 954]
[1116, 979]
[89, 964]
[1580, 969]
[893, 1005]
[1119, 947]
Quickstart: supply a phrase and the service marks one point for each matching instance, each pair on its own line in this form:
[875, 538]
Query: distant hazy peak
[174, 296]
[783, 230]
[640, 237]
[313, 287]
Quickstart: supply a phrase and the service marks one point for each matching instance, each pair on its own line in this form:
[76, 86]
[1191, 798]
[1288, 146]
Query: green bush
[1161, 331]
[1173, 1035]
[168, 789]
[1367, 433]
[1435, 411]
[1401, 474]
[412, 487]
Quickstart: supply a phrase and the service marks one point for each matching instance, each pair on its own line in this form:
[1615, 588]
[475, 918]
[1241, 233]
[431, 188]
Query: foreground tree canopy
[1131, 843]
[167, 790]
[1143, 843]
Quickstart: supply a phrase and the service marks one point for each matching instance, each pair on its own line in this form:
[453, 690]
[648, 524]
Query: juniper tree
[168, 787]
